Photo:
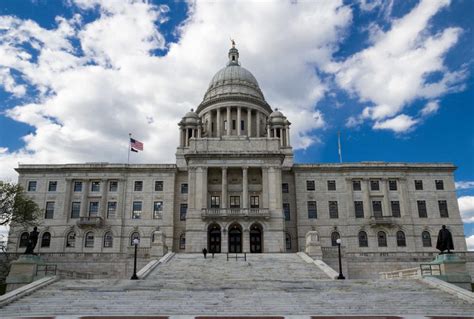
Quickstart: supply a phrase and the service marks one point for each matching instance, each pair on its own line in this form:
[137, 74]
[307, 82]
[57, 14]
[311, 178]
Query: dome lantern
[233, 55]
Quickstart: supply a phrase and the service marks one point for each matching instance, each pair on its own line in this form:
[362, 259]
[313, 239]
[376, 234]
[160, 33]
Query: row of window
[356, 185]
[382, 239]
[96, 185]
[89, 239]
[376, 209]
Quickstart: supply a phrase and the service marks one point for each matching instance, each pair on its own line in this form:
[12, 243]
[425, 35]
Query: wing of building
[235, 188]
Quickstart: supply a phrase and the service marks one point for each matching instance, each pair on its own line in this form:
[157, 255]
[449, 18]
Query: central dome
[233, 82]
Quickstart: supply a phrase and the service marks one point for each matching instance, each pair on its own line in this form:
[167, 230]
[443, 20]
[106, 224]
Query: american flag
[135, 145]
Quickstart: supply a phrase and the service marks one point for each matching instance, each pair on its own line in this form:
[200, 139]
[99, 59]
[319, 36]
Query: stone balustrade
[235, 212]
[382, 221]
[409, 273]
[95, 221]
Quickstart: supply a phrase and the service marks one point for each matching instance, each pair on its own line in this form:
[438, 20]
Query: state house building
[235, 188]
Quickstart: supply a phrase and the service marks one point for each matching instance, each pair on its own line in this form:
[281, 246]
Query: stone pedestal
[22, 271]
[158, 246]
[453, 270]
[313, 245]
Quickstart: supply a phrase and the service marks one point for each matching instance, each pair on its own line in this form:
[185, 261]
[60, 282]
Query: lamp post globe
[338, 242]
[136, 241]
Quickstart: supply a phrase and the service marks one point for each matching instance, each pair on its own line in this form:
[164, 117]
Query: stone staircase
[265, 284]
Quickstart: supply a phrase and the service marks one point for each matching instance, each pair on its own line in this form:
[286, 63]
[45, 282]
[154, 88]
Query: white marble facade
[235, 188]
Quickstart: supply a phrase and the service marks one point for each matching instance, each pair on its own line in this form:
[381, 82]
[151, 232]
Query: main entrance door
[255, 238]
[214, 238]
[235, 239]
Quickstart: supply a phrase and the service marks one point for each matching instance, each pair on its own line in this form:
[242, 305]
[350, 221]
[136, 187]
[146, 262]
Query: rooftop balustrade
[209, 213]
[90, 221]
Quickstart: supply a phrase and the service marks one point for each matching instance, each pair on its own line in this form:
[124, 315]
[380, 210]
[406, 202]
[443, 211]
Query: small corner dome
[190, 118]
[277, 113]
[277, 118]
[191, 114]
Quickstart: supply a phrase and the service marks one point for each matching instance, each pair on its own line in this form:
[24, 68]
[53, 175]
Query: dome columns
[279, 127]
[190, 127]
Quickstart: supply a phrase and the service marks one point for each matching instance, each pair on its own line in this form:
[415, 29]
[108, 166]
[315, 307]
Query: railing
[47, 270]
[95, 221]
[409, 273]
[74, 274]
[235, 212]
[382, 220]
[237, 256]
[430, 269]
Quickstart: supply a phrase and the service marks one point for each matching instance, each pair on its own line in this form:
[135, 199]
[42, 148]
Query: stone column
[367, 203]
[181, 138]
[193, 133]
[186, 138]
[218, 123]
[280, 133]
[103, 199]
[350, 201]
[265, 200]
[199, 131]
[84, 197]
[228, 122]
[257, 116]
[209, 124]
[387, 209]
[245, 241]
[239, 118]
[249, 122]
[404, 207]
[67, 199]
[268, 131]
[245, 188]
[224, 241]
[204, 188]
[224, 188]
[288, 136]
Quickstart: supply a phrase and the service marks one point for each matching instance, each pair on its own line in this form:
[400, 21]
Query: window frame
[49, 211]
[363, 242]
[285, 188]
[359, 213]
[357, 188]
[138, 186]
[375, 185]
[334, 237]
[234, 202]
[331, 185]
[401, 239]
[32, 186]
[215, 201]
[255, 201]
[137, 213]
[313, 213]
[184, 188]
[310, 185]
[45, 240]
[182, 241]
[108, 240]
[95, 186]
[71, 241]
[382, 240]
[443, 208]
[395, 208]
[377, 212]
[112, 204]
[286, 211]
[392, 185]
[75, 213]
[77, 186]
[422, 209]
[90, 212]
[52, 186]
[159, 186]
[89, 242]
[439, 184]
[426, 240]
[183, 211]
[113, 186]
[333, 208]
[157, 209]
[418, 184]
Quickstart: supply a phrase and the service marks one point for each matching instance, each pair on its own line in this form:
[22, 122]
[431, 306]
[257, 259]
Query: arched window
[89, 241]
[71, 239]
[334, 237]
[382, 239]
[426, 238]
[401, 240]
[288, 242]
[108, 240]
[46, 240]
[182, 241]
[134, 236]
[24, 240]
[363, 242]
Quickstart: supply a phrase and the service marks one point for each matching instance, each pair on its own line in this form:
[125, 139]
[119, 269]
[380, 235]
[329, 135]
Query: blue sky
[395, 77]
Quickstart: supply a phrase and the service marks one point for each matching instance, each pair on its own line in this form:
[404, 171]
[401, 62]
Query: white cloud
[430, 108]
[464, 185]
[470, 243]
[91, 99]
[394, 71]
[466, 207]
[399, 124]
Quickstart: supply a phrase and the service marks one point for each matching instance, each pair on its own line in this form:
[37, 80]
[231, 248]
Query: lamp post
[136, 241]
[341, 276]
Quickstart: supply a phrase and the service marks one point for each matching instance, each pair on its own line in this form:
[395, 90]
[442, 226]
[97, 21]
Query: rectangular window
[310, 186]
[356, 186]
[75, 209]
[254, 202]
[235, 202]
[113, 186]
[158, 186]
[392, 185]
[395, 205]
[137, 210]
[215, 201]
[183, 209]
[419, 185]
[49, 212]
[439, 185]
[359, 209]
[443, 209]
[111, 209]
[184, 188]
[157, 209]
[32, 186]
[333, 209]
[95, 186]
[52, 186]
[331, 185]
[284, 188]
[374, 185]
[138, 186]
[422, 212]
[93, 209]
[312, 209]
[286, 210]
[77, 186]
[377, 208]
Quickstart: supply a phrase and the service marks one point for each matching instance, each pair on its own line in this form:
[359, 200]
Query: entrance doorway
[256, 238]
[235, 239]
[214, 238]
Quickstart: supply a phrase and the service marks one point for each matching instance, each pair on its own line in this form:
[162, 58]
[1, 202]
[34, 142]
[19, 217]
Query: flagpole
[129, 147]
[339, 145]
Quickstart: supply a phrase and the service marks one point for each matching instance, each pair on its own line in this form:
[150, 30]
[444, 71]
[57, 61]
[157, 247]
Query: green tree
[15, 207]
